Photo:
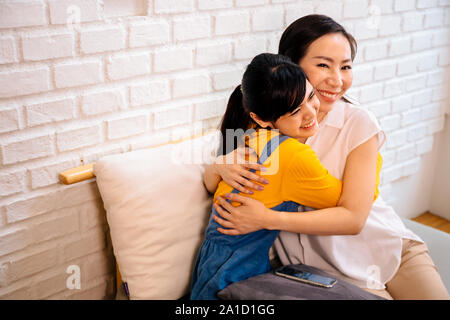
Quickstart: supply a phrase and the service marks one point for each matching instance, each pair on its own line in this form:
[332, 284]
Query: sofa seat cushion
[269, 286]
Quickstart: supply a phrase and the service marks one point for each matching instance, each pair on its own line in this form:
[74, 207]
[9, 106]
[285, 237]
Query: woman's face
[328, 66]
[302, 122]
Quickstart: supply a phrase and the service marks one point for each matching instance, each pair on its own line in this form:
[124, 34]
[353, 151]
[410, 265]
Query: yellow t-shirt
[377, 181]
[294, 174]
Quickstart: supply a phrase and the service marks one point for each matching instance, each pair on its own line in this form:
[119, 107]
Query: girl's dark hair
[272, 85]
[297, 37]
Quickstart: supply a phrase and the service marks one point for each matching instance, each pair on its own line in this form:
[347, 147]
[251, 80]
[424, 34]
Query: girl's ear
[261, 123]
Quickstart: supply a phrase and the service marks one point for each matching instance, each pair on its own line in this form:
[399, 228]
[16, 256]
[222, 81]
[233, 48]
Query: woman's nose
[335, 79]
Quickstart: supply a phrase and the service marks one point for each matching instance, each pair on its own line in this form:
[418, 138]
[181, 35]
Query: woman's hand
[234, 169]
[251, 216]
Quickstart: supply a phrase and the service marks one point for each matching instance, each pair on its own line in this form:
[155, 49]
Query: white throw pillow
[157, 210]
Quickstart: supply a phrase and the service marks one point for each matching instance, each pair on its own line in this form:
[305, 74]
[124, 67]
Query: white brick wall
[52, 111]
[232, 22]
[79, 73]
[41, 47]
[109, 38]
[15, 14]
[80, 79]
[18, 82]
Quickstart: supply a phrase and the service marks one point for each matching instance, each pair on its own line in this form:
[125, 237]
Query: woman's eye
[346, 67]
[322, 65]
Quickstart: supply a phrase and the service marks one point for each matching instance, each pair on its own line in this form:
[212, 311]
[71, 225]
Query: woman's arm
[348, 218]
[234, 168]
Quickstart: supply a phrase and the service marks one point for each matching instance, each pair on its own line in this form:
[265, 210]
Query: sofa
[158, 208]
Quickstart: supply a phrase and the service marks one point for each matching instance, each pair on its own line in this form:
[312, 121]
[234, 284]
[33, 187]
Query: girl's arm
[234, 168]
[348, 218]
[211, 178]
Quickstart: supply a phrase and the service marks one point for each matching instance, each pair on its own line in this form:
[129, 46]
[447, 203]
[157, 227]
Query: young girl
[274, 94]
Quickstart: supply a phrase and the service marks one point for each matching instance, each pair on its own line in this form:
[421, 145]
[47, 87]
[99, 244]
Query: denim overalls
[225, 259]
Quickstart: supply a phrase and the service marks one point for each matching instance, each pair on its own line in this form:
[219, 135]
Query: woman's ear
[261, 123]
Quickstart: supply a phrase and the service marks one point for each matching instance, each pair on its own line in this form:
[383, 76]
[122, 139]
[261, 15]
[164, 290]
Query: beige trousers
[417, 277]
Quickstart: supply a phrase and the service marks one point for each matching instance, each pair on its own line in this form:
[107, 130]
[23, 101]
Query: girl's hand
[251, 216]
[234, 169]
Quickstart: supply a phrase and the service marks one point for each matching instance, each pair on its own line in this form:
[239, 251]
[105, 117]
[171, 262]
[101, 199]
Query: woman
[274, 98]
[362, 243]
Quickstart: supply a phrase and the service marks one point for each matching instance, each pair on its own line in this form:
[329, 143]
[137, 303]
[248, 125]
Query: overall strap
[269, 148]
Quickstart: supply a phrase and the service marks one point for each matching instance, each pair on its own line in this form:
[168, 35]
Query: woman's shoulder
[361, 124]
[357, 112]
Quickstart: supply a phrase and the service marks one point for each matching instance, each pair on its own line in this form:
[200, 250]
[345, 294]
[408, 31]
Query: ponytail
[235, 117]
[272, 85]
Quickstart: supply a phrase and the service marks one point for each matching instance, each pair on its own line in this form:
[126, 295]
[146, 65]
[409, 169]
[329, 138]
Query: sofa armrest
[438, 243]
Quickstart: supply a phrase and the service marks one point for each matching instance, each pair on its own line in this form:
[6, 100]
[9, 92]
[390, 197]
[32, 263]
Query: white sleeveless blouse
[371, 258]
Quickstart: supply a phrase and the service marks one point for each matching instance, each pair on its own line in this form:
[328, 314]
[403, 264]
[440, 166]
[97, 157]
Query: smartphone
[306, 277]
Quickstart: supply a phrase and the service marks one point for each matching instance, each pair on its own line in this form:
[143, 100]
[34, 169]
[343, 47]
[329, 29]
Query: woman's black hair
[272, 85]
[297, 37]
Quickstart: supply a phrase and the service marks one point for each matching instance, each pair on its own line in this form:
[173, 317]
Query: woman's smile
[329, 96]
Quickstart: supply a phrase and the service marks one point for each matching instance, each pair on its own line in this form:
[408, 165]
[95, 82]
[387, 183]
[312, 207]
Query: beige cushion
[157, 210]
